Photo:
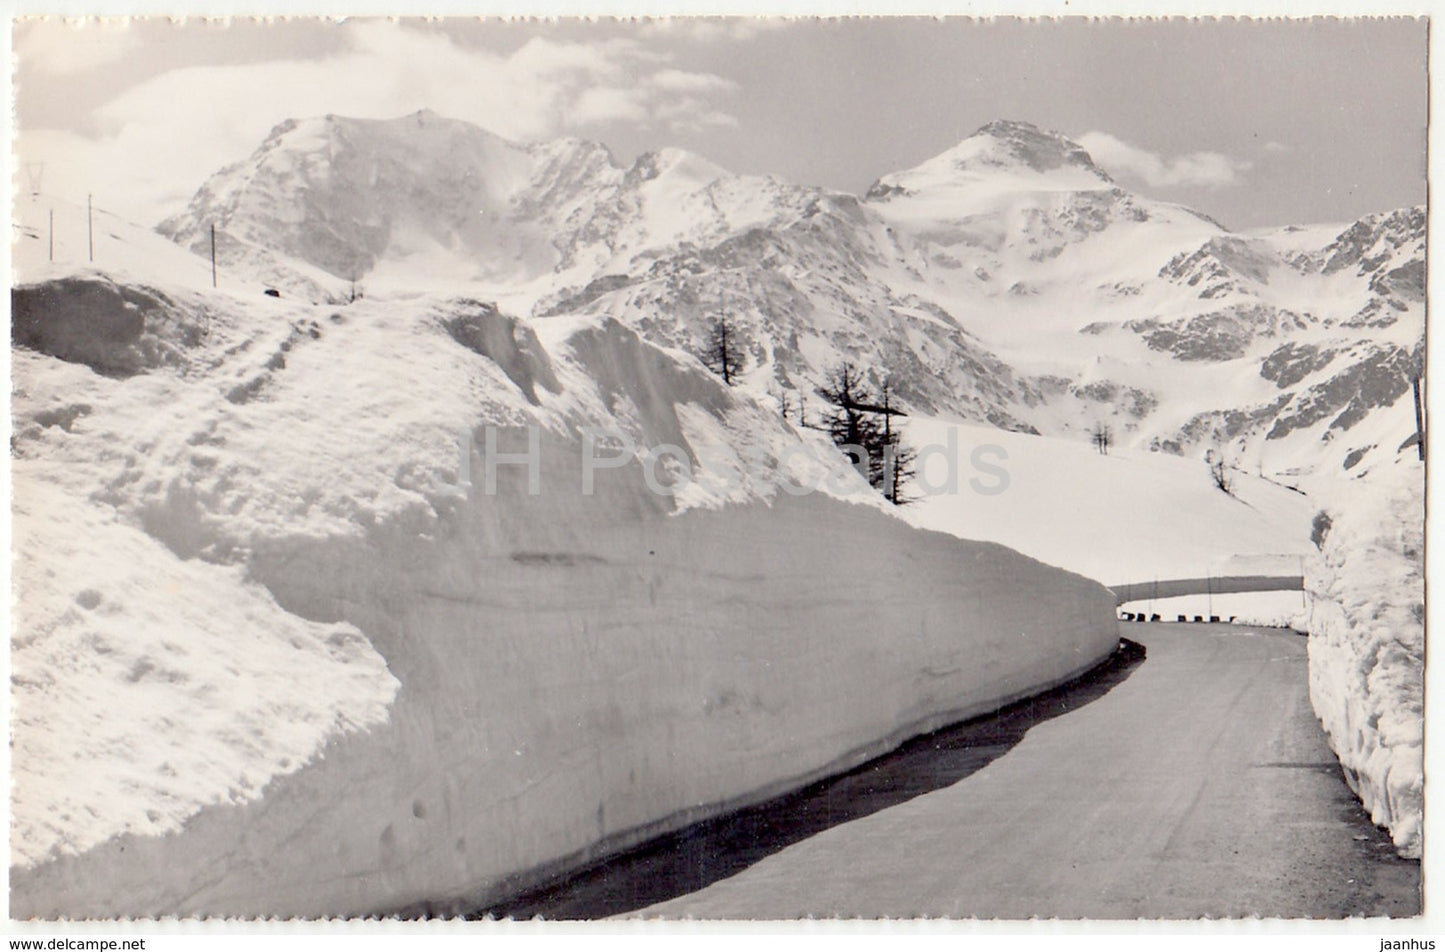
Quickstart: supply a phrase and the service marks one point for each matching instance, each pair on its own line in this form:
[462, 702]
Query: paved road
[1200, 785]
[1196, 783]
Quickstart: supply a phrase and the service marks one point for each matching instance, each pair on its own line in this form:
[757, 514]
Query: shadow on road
[701, 854]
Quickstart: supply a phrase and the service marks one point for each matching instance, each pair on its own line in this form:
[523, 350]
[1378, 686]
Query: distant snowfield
[1130, 516]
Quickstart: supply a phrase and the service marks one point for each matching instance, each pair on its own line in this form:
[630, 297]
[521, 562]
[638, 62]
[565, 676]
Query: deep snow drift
[1367, 640]
[575, 676]
[145, 687]
[299, 661]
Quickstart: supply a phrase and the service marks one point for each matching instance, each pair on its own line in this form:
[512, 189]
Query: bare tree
[353, 291]
[723, 353]
[1219, 470]
[861, 423]
[1103, 437]
[897, 459]
[850, 426]
[898, 469]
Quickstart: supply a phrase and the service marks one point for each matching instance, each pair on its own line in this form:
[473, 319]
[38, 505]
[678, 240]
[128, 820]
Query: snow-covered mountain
[1008, 280]
[281, 646]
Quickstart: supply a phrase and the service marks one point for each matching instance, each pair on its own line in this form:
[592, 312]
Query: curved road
[1196, 783]
[1199, 786]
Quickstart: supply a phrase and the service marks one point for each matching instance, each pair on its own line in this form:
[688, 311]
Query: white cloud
[159, 139]
[1276, 147]
[1206, 169]
[62, 46]
[716, 29]
[694, 115]
[675, 80]
[603, 104]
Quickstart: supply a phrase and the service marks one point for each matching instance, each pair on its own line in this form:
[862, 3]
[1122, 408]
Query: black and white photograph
[469, 471]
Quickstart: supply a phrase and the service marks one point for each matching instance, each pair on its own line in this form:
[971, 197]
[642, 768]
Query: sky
[1256, 123]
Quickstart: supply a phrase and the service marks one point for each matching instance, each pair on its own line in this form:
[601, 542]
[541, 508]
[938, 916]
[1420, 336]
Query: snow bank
[578, 673]
[214, 564]
[1367, 641]
[114, 329]
[144, 687]
[1253, 609]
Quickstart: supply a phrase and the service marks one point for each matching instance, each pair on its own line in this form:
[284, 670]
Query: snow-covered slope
[340, 194]
[1130, 516]
[291, 653]
[1155, 319]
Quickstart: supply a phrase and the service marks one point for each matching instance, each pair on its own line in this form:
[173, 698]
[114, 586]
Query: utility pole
[52, 234]
[1419, 417]
[90, 223]
[213, 254]
[890, 485]
[723, 332]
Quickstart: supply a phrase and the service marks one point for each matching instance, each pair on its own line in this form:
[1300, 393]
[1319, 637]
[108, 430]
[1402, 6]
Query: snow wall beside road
[581, 672]
[1367, 642]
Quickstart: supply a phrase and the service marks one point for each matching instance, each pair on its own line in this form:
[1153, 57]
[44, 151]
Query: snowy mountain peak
[384, 199]
[1011, 142]
[571, 149]
[679, 163]
[1003, 152]
[981, 278]
[343, 194]
[423, 133]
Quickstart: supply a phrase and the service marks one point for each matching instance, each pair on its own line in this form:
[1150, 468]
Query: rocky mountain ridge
[1008, 280]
